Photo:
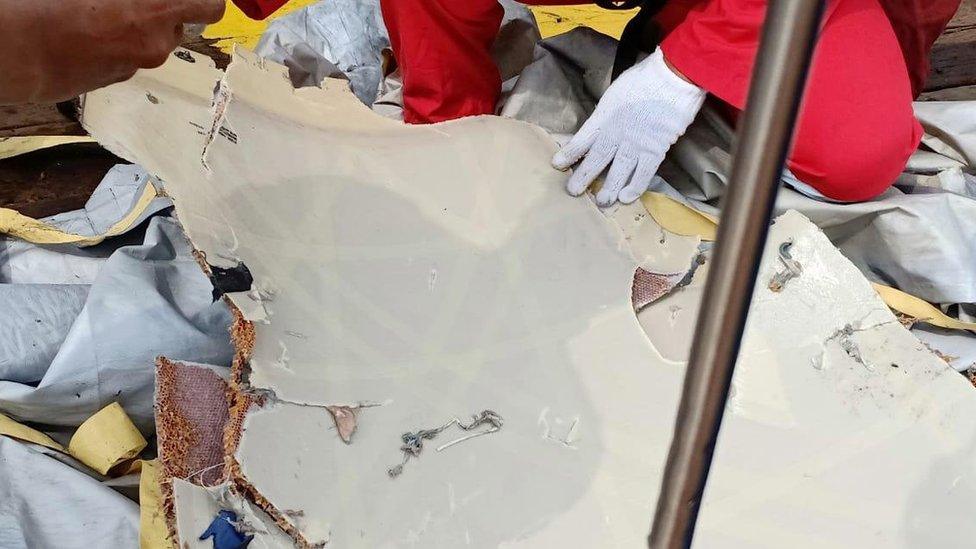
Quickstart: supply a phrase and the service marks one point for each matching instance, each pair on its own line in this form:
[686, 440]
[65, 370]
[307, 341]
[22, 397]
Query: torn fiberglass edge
[529, 315]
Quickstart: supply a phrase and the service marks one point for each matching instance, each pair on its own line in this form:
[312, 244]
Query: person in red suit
[856, 127]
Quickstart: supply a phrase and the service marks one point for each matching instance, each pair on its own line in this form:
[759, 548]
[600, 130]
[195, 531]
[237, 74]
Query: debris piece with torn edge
[347, 214]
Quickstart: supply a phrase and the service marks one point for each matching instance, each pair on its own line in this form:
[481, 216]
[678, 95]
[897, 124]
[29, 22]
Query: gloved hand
[52, 50]
[635, 123]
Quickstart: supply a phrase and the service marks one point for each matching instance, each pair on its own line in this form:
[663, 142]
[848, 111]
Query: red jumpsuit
[856, 128]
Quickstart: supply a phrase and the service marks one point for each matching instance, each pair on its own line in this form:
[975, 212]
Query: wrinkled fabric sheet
[45, 504]
[114, 197]
[336, 38]
[25, 263]
[83, 327]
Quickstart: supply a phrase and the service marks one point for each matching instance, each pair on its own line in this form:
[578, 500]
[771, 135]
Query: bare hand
[52, 50]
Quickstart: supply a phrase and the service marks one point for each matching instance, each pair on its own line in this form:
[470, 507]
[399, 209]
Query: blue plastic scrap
[224, 532]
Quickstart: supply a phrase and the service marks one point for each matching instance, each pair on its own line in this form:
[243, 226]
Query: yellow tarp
[106, 439]
[237, 28]
[15, 430]
[15, 146]
[153, 533]
[679, 218]
[559, 19]
[920, 310]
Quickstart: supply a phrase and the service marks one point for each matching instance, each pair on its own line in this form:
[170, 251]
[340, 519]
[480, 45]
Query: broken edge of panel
[842, 355]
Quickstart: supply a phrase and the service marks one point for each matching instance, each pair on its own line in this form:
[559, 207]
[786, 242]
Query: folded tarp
[47, 504]
[83, 326]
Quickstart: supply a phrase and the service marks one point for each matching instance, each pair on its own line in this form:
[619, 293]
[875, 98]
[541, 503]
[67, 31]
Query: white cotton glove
[635, 123]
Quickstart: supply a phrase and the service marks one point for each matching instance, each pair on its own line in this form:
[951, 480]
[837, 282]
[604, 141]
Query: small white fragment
[283, 357]
[544, 422]
[452, 504]
[673, 314]
[264, 290]
[569, 439]
[253, 310]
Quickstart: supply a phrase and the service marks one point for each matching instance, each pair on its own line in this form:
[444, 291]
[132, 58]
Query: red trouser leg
[443, 49]
[856, 128]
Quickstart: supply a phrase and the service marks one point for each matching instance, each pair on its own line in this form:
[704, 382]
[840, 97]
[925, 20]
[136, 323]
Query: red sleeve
[259, 9]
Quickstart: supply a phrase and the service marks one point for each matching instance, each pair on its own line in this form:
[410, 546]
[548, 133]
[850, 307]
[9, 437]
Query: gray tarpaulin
[958, 348]
[335, 38]
[120, 189]
[115, 197]
[36, 318]
[562, 85]
[147, 300]
[81, 328]
[92, 322]
[47, 504]
[917, 236]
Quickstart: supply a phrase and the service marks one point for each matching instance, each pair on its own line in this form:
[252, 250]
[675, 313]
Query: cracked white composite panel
[435, 272]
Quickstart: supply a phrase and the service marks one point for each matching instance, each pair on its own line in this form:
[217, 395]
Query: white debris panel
[438, 281]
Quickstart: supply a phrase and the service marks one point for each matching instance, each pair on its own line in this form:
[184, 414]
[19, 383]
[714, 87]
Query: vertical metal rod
[788, 36]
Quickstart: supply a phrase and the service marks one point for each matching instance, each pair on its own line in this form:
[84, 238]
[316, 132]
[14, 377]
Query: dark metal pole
[778, 79]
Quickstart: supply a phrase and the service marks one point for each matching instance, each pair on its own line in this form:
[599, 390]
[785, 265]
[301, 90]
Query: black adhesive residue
[234, 279]
[185, 55]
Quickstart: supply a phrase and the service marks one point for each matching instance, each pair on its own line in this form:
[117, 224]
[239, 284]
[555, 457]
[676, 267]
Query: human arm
[52, 50]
